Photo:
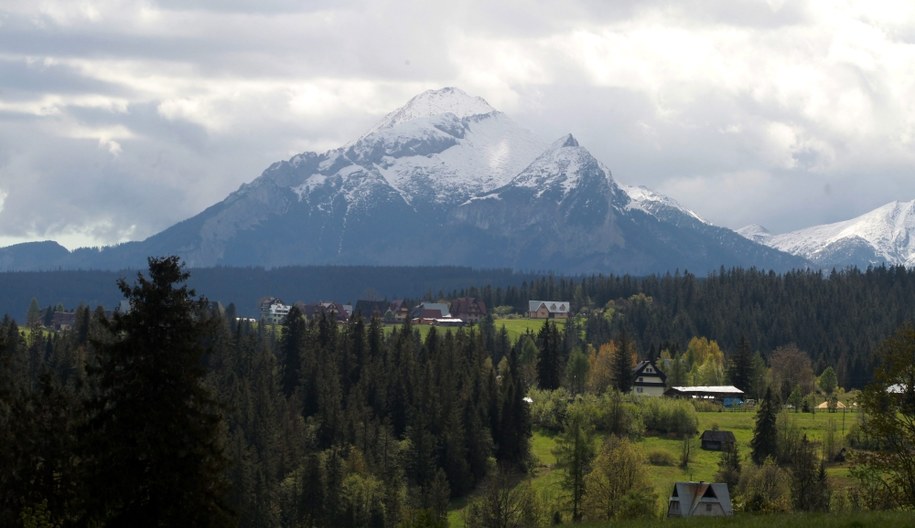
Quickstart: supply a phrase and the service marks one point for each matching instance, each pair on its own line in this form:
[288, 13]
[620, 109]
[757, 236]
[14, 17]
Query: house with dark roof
[429, 312]
[333, 310]
[648, 380]
[399, 311]
[691, 499]
[371, 309]
[717, 440]
[468, 309]
[62, 320]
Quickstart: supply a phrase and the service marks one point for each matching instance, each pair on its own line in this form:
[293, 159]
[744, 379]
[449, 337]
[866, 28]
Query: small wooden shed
[717, 440]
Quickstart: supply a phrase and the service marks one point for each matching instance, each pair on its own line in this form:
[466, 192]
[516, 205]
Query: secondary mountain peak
[884, 236]
[755, 232]
[433, 103]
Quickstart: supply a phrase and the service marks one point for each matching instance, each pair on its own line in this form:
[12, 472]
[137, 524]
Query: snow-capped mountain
[444, 180]
[885, 235]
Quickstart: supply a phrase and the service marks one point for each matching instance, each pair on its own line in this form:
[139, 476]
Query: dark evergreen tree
[153, 452]
[291, 343]
[512, 437]
[764, 443]
[740, 368]
[549, 364]
[809, 493]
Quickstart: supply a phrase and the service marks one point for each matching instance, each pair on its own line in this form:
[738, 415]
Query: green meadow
[545, 477]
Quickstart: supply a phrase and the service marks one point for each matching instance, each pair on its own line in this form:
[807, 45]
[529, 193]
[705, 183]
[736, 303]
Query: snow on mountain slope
[563, 167]
[437, 150]
[430, 103]
[657, 205]
[885, 235]
[756, 233]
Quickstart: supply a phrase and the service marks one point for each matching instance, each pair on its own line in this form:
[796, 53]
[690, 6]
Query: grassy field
[703, 465]
[792, 520]
[515, 328]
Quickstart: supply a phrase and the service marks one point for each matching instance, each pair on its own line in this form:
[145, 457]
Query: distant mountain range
[444, 180]
[884, 236]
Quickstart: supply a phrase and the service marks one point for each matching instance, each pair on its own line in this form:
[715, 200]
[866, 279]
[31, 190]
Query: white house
[690, 499]
[647, 379]
[273, 311]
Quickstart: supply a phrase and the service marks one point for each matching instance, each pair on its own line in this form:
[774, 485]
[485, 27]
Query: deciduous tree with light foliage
[618, 486]
[889, 403]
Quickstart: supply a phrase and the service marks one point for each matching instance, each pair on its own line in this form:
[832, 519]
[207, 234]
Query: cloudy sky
[119, 118]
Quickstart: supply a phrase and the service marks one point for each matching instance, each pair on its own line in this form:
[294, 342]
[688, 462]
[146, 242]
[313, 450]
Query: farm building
[726, 394]
[717, 440]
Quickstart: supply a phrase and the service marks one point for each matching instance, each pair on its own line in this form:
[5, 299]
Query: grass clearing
[515, 328]
[546, 478]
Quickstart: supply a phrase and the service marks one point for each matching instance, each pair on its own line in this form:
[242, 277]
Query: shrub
[765, 488]
[667, 416]
[615, 414]
[549, 409]
[661, 457]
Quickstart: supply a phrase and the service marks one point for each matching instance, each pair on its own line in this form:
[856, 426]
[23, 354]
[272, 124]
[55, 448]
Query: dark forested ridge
[835, 317]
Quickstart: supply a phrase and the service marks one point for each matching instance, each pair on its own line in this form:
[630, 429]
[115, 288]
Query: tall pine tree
[154, 449]
[765, 435]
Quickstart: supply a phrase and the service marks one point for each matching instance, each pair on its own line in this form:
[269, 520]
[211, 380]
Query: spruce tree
[741, 366]
[154, 452]
[291, 343]
[549, 366]
[765, 435]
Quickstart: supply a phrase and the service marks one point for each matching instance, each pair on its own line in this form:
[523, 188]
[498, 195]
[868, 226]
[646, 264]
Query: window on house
[708, 507]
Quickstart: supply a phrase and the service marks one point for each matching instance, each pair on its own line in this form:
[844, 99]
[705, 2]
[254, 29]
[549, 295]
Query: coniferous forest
[173, 414]
[836, 317]
[178, 413]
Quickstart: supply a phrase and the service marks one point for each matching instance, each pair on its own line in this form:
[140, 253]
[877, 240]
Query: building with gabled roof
[692, 499]
[548, 309]
[274, 310]
[428, 312]
[468, 309]
[712, 440]
[648, 380]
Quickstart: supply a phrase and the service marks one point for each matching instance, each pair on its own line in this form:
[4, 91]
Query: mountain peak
[448, 100]
[885, 235]
[566, 141]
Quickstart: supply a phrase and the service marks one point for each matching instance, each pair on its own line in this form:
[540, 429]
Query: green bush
[661, 457]
[549, 408]
[669, 416]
